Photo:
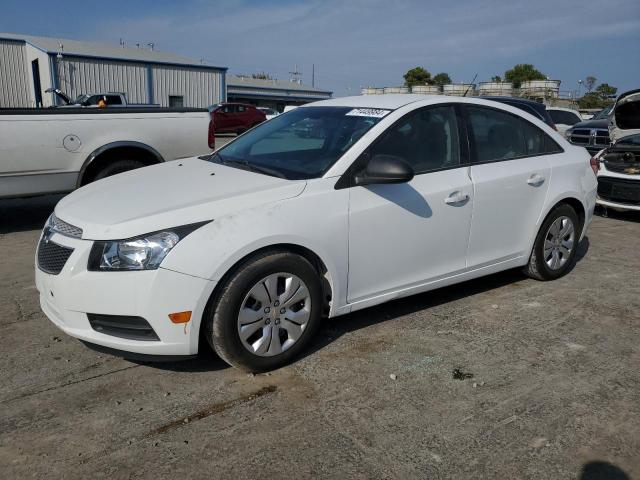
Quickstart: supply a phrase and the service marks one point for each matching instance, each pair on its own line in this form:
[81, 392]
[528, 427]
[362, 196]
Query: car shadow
[600, 470]
[405, 196]
[24, 214]
[334, 328]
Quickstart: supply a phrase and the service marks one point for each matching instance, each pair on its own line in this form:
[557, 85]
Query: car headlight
[145, 252]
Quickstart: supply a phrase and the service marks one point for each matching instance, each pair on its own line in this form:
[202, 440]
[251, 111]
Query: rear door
[510, 171]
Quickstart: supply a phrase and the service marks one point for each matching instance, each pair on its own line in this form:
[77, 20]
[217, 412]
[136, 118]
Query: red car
[235, 117]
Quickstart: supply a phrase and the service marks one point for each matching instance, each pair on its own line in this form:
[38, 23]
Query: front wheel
[554, 251]
[266, 312]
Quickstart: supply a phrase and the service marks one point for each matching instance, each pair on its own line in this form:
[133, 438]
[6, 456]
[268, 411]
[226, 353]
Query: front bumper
[619, 191]
[67, 298]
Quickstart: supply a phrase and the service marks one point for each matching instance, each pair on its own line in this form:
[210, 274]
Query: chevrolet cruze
[330, 208]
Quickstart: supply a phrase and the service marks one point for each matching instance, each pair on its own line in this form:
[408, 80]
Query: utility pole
[295, 75]
[313, 74]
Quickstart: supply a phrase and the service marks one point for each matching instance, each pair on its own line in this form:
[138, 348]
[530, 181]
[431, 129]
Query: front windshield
[604, 113]
[301, 144]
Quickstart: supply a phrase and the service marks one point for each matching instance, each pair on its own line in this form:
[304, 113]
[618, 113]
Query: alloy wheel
[559, 243]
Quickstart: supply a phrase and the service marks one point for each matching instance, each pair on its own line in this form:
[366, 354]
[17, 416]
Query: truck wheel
[116, 167]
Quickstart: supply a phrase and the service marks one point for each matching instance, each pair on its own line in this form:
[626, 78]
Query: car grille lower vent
[52, 257]
[131, 328]
[619, 190]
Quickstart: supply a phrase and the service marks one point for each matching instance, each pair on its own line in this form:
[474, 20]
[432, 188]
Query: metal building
[272, 93]
[30, 65]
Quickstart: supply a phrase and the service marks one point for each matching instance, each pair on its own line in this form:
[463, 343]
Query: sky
[360, 43]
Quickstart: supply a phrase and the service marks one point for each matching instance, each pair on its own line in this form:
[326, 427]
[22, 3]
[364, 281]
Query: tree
[590, 100]
[522, 73]
[442, 79]
[261, 76]
[590, 82]
[605, 90]
[417, 76]
[496, 78]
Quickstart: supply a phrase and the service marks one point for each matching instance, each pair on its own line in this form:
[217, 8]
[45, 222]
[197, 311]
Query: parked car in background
[592, 134]
[288, 108]
[537, 109]
[564, 118]
[95, 100]
[51, 150]
[235, 117]
[619, 164]
[249, 247]
[269, 112]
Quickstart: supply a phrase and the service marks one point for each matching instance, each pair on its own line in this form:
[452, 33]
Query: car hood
[602, 123]
[625, 120]
[168, 195]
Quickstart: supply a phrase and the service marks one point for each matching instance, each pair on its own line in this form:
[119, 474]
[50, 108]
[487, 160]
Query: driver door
[405, 235]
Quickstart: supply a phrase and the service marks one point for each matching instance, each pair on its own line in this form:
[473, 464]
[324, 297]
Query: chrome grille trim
[593, 137]
[64, 228]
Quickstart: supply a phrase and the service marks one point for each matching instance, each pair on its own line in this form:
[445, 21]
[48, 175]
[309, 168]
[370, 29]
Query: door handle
[456, 198]
[535, 180]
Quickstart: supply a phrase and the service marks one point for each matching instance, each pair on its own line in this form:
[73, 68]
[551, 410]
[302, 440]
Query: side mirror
[385, 169]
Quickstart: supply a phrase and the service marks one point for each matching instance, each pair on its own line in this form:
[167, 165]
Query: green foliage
[590, 82]
[442, 79]
[591, 100]
[417, 76]
[522, 73]
[496, 78]
[606, 90]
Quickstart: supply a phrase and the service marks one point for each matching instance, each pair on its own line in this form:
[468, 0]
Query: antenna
[122, 43]
[469, 87]
[313, 74]
[151, 45]
[295, 75]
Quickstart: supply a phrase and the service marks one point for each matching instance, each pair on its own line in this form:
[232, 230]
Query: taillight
[211, 136]
[595, 165]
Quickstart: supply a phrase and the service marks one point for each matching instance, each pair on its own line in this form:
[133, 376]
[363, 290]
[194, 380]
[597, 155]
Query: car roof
[563, 109]
[387, 101]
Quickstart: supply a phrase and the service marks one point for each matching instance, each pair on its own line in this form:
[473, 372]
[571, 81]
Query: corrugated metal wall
[84, 75]
[199, 88]
[14, 83]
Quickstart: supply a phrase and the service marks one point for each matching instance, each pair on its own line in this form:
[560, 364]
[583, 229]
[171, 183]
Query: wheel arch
[324, 272]
[101, 155]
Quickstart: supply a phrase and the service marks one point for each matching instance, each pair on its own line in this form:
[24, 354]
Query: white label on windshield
[368, 112]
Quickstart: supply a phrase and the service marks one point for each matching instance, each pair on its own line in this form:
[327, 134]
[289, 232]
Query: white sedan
[333, 207]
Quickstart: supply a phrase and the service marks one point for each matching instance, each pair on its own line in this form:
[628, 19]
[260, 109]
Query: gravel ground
[554, 391]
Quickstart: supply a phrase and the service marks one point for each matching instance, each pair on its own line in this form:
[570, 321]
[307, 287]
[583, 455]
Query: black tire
[220, 322]
[119, 166]
[537, 267]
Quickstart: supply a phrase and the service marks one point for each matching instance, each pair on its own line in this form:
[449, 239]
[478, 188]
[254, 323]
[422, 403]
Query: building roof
[234, 81]
[79, 48]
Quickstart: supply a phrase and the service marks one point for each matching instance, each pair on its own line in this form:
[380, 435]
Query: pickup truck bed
[60, 149]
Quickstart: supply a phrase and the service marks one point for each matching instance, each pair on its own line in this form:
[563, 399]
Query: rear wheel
[266, 312]
[119, 166]
[554, 251]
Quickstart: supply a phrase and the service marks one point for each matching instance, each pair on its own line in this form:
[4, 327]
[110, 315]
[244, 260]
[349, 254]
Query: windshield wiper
[245, 165]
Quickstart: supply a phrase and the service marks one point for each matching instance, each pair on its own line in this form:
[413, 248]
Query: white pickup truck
[60, 149]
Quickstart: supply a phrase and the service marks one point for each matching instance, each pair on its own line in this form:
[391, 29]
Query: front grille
[595, 138]
[51, 256]
[131, 328]
[619, 190]
[65, 228]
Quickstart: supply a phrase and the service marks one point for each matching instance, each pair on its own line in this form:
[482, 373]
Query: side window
[502, 136]
[114, 100]
[241, 108]
[426, 138]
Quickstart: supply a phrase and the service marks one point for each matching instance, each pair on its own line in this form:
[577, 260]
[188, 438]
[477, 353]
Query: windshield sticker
[368, 112]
